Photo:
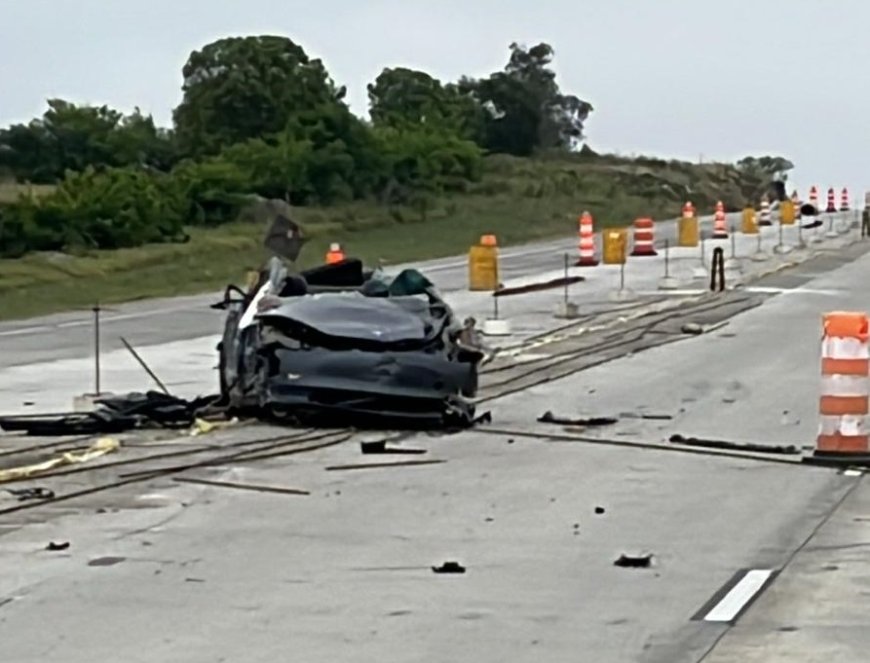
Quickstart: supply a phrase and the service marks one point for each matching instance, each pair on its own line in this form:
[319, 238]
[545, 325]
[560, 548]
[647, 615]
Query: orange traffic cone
[587, 241]
[720, 229]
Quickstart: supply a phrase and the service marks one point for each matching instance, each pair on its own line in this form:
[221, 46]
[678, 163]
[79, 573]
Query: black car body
[341, 344]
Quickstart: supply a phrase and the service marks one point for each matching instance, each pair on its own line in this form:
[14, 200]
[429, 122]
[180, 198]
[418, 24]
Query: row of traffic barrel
[483, 257]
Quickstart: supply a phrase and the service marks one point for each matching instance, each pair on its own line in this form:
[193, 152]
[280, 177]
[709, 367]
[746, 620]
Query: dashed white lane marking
[734, 601]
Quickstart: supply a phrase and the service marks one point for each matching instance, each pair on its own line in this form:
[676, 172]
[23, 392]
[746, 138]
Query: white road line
[108, 319]
[794, 291]
[734, 601]
[25, 330]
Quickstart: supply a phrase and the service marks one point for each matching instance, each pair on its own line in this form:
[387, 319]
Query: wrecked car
[345, 345]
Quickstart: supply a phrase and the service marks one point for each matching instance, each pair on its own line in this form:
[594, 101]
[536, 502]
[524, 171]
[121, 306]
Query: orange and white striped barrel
[587, 241]
[845, 393]
[644, 237]
[764, 213]
[720, 228]
[844, 200]
[796, 203]
[688, 210]
[832, 207]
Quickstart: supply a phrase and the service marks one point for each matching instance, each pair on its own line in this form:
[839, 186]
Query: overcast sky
[675, 78]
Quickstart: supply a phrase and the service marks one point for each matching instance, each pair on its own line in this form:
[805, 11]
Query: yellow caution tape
[203, 427]
[99, 448]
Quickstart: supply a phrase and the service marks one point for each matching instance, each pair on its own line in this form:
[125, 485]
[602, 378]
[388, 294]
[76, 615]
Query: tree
[71, 137]
[766, 167]
[109, 209]
[400, 97]
[526, 111]
[246, 87]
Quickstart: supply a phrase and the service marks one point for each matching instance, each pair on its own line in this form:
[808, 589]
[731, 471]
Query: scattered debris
[692, 328]
[537, 287]
[204, 427]
[380, 447]
[365, 466]
[106, 561]
[734, 446]
[242, 486]
[634, 562]
[549, 418]
[145, 366]
[599, 510]
[55, 547]
[643, 415]
[114, 414]
[25, 494]
[99, 448]
[449, 567]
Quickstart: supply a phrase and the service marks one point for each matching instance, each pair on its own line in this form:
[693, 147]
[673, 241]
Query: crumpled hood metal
[352, 315]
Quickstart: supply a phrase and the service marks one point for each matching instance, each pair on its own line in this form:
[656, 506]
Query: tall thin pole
[96, 310]
[667, 257]
[566, 282]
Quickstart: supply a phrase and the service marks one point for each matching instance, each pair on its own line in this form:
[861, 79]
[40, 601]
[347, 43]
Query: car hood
[355, 316]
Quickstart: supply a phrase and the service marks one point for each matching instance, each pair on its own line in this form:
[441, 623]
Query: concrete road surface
[753, 560]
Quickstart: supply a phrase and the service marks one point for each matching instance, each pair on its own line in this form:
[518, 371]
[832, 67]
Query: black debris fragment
[550, 418]
[55, 547]
[599, 510]
[634, 562]
[537, 287]
[643, 415]
[115, 415]
[734, 446]
[25, 494]
[380, 447]
[106, 561]
[449, 567]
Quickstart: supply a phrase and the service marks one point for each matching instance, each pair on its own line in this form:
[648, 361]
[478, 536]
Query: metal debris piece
[366, 466]
[537, 287]
[449, 567]
[144, 365]
[634, 562]
[380, 447]
[114, 414]
[692, 328]
[549, 418]
[24, 494]
[599, 510]
[55, 547]
[641, 415]
[242, 486]
[106, 561]
[734, 446]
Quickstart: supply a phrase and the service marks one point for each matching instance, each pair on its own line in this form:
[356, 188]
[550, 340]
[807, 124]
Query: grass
[10, 192]
[521, 200]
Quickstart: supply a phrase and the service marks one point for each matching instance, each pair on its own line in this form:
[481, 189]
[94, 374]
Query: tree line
[259, 117]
